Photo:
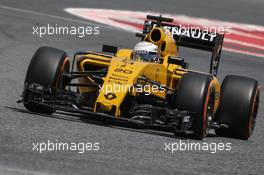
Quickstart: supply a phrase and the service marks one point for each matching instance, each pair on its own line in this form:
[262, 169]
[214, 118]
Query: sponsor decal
[191, 32]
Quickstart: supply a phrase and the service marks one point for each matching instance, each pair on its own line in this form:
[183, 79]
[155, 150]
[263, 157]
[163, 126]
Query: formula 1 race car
[145, 90]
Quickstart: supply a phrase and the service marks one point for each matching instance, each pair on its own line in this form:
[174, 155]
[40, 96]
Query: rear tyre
[238, 107]
[46, 68]
[196, 94]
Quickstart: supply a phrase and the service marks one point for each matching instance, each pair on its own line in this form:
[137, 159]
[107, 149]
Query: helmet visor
[146, 56]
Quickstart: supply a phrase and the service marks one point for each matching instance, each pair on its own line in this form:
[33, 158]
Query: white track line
[10, 170]
[228, 40]
[243, 52]
[56, 17]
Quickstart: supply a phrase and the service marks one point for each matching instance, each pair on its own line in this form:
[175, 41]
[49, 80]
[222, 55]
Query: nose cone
[122, 74]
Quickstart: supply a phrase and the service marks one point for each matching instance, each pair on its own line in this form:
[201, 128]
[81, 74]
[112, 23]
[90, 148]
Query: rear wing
[191, 38]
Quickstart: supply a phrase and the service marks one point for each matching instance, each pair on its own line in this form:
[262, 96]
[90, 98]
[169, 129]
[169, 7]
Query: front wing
[159, 118]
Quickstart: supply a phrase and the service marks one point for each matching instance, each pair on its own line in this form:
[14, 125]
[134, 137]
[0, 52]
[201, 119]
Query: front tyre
[46, 68]
[196, 93]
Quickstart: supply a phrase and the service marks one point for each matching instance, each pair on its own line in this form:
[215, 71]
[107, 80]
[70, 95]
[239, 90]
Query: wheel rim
[208, 111]
[254, 112]
[59, 81]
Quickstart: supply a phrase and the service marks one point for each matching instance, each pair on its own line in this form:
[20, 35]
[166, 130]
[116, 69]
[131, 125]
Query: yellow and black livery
[112, 85]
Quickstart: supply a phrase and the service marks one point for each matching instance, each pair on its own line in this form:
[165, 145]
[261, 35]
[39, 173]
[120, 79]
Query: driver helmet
[146, 51]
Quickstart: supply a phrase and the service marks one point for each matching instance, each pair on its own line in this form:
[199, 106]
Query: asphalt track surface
[122, 151]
